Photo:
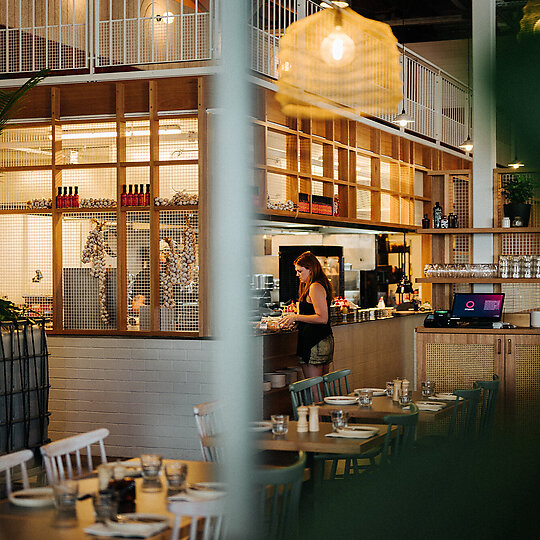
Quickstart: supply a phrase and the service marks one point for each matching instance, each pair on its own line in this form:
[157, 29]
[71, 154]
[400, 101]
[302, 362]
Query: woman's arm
[317, 293]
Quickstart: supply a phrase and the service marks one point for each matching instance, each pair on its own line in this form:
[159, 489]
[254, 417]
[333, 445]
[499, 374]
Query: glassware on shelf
[504, 266]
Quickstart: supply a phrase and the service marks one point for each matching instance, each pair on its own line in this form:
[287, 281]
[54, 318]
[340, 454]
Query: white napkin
[102, 529]
[426, 406]
[444, 397]
[360, 434]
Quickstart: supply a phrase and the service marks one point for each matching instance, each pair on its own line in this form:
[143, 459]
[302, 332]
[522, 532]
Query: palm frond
[10, 101]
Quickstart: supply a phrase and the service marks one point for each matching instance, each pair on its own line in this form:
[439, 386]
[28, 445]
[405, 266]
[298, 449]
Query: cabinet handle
[499, 344]
[509, 351]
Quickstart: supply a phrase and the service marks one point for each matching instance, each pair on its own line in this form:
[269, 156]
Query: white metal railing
[68, 35]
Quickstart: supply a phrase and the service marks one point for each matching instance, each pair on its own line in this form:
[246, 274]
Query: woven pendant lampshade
[530, 23]
[341, 60]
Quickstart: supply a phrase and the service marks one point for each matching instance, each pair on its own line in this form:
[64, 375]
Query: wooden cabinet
[455, 358]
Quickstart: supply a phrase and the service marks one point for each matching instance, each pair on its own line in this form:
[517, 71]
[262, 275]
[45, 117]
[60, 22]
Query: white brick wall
[142, 390]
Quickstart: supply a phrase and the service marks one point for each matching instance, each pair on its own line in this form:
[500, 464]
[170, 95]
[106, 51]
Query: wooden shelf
[27, 211]
[86, 209]
[480, 230]
[477, 280]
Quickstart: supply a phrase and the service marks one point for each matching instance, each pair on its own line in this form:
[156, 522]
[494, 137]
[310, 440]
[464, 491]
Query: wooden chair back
[336, 383]
[488, 404]
[302, 393]
[207, 516]
[10, 461]
[463, 421]
[278, 499]
[395, 447]
[209, 423]
[57, 456]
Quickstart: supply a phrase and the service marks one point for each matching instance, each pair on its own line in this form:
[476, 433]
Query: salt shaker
[405, 386]
[302, 425]
[314, 418]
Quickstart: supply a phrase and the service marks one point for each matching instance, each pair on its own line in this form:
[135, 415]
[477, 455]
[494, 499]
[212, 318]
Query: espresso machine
[261, 287]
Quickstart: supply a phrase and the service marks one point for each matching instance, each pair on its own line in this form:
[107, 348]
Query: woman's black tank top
[309, 334]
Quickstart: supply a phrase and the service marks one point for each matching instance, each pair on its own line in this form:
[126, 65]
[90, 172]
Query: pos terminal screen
[479, 306]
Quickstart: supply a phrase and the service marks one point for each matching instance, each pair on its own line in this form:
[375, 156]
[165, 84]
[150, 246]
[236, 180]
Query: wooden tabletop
[18, 523]
[383, 405]
[318, 442]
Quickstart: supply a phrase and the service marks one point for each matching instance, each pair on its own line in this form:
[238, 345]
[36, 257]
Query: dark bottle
[76, 197]
[147, 195]
[141, 195]
[59, 199]
[66, 198]
[123, 197]
[135, 199]
[129, 198]
[437, 215]
[425, 222]
[125, 494]
[452, 221]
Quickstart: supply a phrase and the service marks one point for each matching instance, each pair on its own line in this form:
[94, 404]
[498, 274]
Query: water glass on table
[340, 419]
[405, 397]
[428, 389]
[105, 504]
[151, 467]
[176, 474]
[65, 495]
[365, 397]
[280, 424]
[390, 388]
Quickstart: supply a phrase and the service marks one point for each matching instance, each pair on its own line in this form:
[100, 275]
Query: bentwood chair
[278, 491]
[302, 393]
[488, 404]
[207, 517]
[209, 423]
[394, 448]
[10, 461]
[463, 421]
[336, 383]
[57, 456]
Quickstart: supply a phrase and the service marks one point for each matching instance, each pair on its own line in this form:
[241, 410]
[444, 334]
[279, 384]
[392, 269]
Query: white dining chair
[10, 461]
[206, 516]
[57, 455]
[209, 423]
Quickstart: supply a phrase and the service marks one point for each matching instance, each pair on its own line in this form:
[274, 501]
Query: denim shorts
[322, 353]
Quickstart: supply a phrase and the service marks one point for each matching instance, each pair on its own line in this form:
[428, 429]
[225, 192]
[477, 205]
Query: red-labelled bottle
[60, 199]
[124, 196]
[66, 198]
[70, 198]
[76, 198]
[141, 195]
[130, 196]
[135, 198]
[147, 195]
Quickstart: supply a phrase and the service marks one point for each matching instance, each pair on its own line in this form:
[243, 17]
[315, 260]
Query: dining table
[46, 523]
[383, 405]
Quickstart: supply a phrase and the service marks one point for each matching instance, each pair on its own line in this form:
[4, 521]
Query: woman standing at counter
[315, 347]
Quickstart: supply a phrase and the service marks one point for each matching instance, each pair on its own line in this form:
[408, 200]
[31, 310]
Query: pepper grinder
[314, 418]
[302, 425]
[397, 390]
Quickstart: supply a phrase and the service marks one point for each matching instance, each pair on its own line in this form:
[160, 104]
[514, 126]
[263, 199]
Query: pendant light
[467, 144]
[336, 60]
[403, 119]
[516, 164]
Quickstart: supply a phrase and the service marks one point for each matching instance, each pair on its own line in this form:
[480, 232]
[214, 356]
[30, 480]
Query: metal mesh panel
[138, 140]
[520, 297]
[19, 187]
[454, 365]
[20, 147]
[176, 178]
[520, 244]
[26, 248]
[363, 204]
[316, 159]
[93, 184]
[182, 314]
[461, 246]
[460, 200]
[363, 170]
[178, 138]
[89, 143]
[385, 207]
[138, 270]
[81, 290]
[527, 385]
[385, 175]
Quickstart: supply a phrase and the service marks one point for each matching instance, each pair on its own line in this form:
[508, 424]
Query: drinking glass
[365, 398]
[151, 465]
[339, 419]
[176, 474]
[65, 494]
[105, 505]
[405, 398]
[280, 424]
[428, 389]
[390, 388]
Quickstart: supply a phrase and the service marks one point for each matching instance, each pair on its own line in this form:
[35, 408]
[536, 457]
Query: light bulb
[337, 49]
[467, 145]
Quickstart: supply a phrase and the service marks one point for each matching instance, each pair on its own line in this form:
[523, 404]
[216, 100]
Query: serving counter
[374, 351]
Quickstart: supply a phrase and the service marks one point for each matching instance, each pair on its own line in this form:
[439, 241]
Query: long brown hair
[309, 261]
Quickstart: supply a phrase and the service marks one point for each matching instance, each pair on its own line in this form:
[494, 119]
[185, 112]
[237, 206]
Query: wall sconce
[167, 17]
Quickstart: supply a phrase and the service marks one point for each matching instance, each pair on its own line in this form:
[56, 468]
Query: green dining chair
[336, 383]
[463, 421]
[278, 490]
[488, 405]
[394, 447]
[302, 393]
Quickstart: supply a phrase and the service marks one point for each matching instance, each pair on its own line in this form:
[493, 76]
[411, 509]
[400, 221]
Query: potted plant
[518, 190]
